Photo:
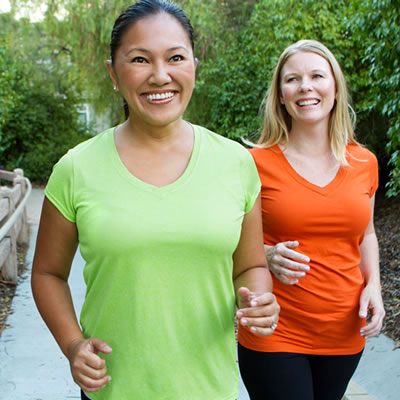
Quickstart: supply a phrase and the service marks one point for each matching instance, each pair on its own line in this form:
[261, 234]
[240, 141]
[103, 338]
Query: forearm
[54, 302]
[256, 279]
[370, 259]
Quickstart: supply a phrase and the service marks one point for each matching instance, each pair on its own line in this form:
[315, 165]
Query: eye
[291, 79]
[177, 57]
[139, 60]
[317, 76]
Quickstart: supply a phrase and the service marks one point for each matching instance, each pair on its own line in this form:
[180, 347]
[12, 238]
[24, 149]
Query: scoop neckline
[127, 175]
[327, 189]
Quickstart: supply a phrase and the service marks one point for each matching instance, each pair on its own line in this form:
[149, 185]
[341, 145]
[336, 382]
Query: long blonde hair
[277, 121]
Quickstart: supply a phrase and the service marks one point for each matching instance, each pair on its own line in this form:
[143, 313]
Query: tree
[375, 29]
[234, 79]
[39, 118]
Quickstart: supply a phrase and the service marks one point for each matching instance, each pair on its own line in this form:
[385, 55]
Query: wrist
[70, 348]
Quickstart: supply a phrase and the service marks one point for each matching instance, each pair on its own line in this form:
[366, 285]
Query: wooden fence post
[23, 235]
[10, 267]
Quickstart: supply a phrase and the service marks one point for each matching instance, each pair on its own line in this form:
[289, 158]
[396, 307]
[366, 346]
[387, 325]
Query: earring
[115, 88]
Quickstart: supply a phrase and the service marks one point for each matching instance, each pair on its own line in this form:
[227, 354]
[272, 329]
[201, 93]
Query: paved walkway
[33, 368]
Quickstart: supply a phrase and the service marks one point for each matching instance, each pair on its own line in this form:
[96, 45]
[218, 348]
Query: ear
[111, 72]
[196, 63]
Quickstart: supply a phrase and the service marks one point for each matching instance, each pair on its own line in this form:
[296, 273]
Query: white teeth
[307, 102]
[160, 96]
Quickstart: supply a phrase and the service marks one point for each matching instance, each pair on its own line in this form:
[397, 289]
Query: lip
[159, 96]
[311, 100]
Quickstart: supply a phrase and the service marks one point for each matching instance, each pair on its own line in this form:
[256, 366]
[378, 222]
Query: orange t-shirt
[319, 315]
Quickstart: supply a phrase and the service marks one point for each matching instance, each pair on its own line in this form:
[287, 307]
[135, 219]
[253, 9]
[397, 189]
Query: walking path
[33, 368]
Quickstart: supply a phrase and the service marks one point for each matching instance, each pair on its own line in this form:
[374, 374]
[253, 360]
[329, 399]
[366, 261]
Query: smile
[160, 96]
[310, 102]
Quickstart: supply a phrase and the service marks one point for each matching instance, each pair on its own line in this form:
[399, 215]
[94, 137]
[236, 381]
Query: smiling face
[307, 88]
[154, 68]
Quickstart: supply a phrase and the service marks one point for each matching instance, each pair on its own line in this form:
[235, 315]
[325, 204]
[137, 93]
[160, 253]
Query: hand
[87, 368]
[282, 262]
[371, 301]
[258, 311]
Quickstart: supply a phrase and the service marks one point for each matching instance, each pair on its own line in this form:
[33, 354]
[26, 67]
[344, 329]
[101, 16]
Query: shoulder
[212, 141]
[91, 145]
[358, 155]
[265, 155]
[84, 153]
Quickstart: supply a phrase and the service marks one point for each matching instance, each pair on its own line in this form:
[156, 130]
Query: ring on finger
[274, 325]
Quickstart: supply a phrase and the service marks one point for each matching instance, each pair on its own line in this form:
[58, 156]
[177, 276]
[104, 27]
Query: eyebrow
[148, 51]
[312, 71]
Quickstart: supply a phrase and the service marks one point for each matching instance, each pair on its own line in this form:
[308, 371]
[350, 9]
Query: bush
[41, 128]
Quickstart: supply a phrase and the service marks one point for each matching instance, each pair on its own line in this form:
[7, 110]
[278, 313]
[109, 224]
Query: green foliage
[8, 97]
[38, 107]
[375, 29]
[233, 80]
[42, 127]
[238, 44]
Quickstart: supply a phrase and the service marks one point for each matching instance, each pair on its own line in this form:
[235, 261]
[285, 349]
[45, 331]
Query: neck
[137, 133]
[312, 140]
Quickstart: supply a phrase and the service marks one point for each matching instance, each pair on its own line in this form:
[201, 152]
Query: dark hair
[143, 9]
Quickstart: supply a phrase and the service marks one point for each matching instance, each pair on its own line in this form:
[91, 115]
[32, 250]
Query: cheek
[286, 94]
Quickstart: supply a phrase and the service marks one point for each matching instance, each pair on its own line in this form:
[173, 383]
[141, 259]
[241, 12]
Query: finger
[291, 244]
[263, 326]
[285, 250]
[92, 385]
[278, 262]
[264, 322]
[285, 280]
[246, 296]
[94, 361]
[282, 277]
[256, 312]
[374, 326]
[99, 346]
[291, 273]
[93, 373]
[363, 310]
[262, 299]
[370, 330]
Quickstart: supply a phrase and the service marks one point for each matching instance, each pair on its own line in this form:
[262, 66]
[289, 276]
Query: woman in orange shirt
[318, 189]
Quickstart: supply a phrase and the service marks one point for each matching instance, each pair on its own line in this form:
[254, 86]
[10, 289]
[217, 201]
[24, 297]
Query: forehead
[157, 31]
[305, 60]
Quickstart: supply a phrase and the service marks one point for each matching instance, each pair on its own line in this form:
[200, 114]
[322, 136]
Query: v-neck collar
[119, 165]
[325, 190]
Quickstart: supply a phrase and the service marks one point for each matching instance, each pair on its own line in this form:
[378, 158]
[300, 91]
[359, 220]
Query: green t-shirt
[159, 265]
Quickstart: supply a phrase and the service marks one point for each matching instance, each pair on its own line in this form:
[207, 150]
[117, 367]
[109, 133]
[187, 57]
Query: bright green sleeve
[250, 180]
[60, 187]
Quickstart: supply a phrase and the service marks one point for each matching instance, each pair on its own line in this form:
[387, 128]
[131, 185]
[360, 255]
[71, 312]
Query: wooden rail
[13, 221]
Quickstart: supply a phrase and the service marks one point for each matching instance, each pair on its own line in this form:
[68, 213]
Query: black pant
[292, 376]
[83, 396]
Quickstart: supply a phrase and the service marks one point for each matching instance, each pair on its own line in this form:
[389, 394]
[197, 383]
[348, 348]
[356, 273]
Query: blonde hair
[277, 122]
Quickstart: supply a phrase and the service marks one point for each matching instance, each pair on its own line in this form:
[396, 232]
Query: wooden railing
[13, 221]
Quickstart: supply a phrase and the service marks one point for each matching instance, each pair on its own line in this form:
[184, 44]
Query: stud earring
[115, 88]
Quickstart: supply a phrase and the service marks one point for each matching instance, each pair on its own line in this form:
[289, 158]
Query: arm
[258, 308]
[371, 297]
[286, 264]
[56, 245]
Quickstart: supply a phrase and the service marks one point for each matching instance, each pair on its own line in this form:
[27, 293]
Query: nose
[160, 74]
[305, 85]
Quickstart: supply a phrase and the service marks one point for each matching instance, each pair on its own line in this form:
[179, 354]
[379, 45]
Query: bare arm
[258, 308]
[371, 296]
[56, 245]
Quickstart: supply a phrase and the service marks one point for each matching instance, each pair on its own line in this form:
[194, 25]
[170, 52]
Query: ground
[7, 289]
[387, 224]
